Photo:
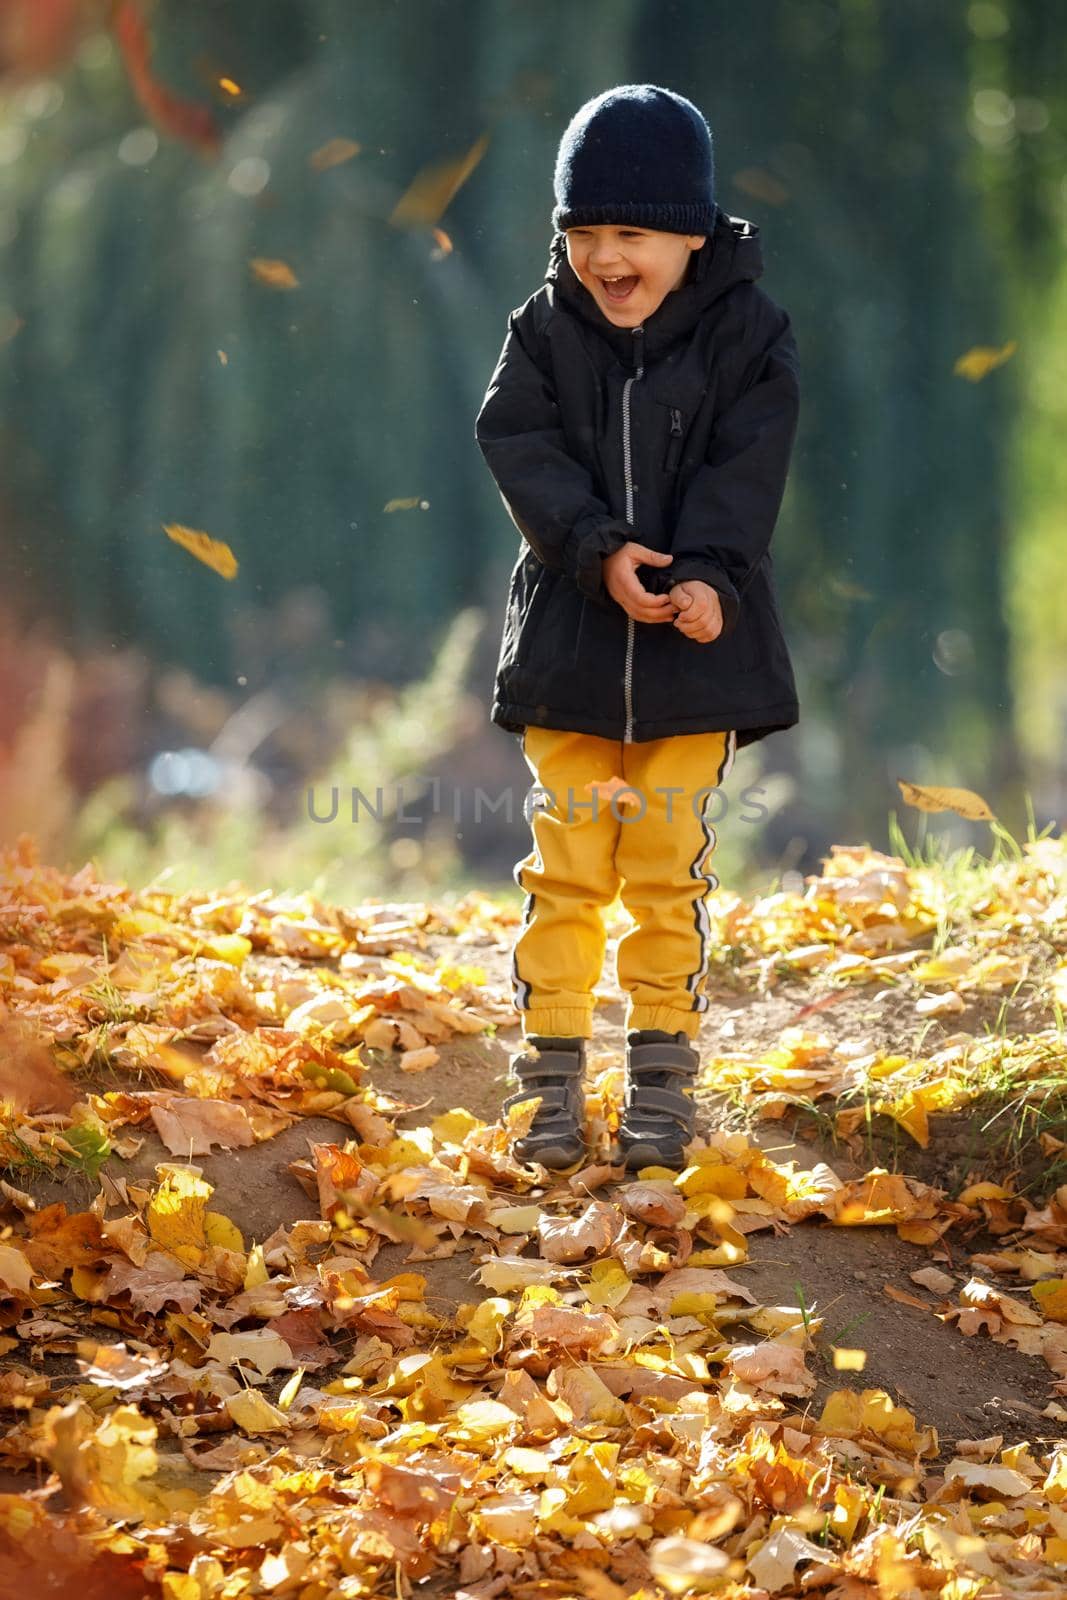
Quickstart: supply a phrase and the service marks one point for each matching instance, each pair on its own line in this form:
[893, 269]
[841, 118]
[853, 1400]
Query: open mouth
[619, 289]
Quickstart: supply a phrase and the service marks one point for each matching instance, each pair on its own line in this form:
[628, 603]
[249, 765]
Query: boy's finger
[637, 592]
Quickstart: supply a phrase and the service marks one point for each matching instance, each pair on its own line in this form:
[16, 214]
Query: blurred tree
[150, 374]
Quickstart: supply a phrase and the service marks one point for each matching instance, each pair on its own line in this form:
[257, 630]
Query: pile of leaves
[196, 1414]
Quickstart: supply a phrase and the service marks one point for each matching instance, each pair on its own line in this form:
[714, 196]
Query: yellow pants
[589, 847]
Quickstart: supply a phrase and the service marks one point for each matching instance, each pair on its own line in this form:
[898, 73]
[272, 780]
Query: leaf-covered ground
[279, 1314]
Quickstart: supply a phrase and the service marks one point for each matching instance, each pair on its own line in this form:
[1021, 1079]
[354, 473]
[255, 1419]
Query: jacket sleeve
[549, 496]
[731, 505]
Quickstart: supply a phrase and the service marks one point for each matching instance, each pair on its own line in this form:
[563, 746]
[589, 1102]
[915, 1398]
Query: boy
[638, 425]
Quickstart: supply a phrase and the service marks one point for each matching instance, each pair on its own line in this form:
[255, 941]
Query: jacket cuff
[683, 568]
[594, 539]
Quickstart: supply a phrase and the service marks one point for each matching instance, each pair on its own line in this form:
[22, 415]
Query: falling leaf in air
[214, 553]
[276, 274]
[333, 153]
[431, 191]
[981, 359]
[964, 802]
[846, 1360]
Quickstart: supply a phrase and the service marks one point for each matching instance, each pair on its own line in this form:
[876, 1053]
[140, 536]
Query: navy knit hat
[636, 154]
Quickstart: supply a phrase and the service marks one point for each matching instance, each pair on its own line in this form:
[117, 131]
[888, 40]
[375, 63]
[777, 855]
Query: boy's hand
[699, 610]
[623, 584]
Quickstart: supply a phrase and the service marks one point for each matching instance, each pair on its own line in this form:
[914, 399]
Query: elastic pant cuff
[569, 1021]
[665, 1017]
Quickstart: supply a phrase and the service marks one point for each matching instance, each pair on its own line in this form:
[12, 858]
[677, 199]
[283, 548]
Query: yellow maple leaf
[221, 1231]
[873, 1411]
[253, 1413]
[608, 1284]
[487, 1323]
[176, 1214]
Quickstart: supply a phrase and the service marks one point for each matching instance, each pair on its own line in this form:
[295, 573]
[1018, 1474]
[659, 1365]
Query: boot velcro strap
[662, 1058]
[551, 1064]
[640, 1075]
[553, 1097]
[667, 1101]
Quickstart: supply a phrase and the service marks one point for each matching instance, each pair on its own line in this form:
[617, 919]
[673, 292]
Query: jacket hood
[731, 254]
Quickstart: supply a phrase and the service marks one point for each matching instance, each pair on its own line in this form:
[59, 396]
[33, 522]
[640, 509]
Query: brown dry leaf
[572, 1330]
[964, 802]
[581, 1238]
[419, 1060]
[902, 1297]
[983, 1296]
[263, 1349]
[879, 1199]
[59, 1242]
[159, 1282]
[190, 1127]
[775, 1365]
[658, 1203]
[15, 1271]
[29, 1078]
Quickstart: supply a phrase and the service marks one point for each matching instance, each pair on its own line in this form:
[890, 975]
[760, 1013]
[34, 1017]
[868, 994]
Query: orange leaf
[212, 552]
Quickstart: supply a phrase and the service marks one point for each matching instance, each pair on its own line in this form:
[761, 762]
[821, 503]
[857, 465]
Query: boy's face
[652, 264]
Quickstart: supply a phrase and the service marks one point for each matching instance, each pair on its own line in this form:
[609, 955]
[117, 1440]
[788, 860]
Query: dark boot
[659, 1117]
[553, 1069]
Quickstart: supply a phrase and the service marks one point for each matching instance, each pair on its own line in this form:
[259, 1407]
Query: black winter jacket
[677, 434]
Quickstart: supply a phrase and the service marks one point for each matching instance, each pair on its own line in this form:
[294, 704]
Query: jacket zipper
[631, 495]
[674, 447]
